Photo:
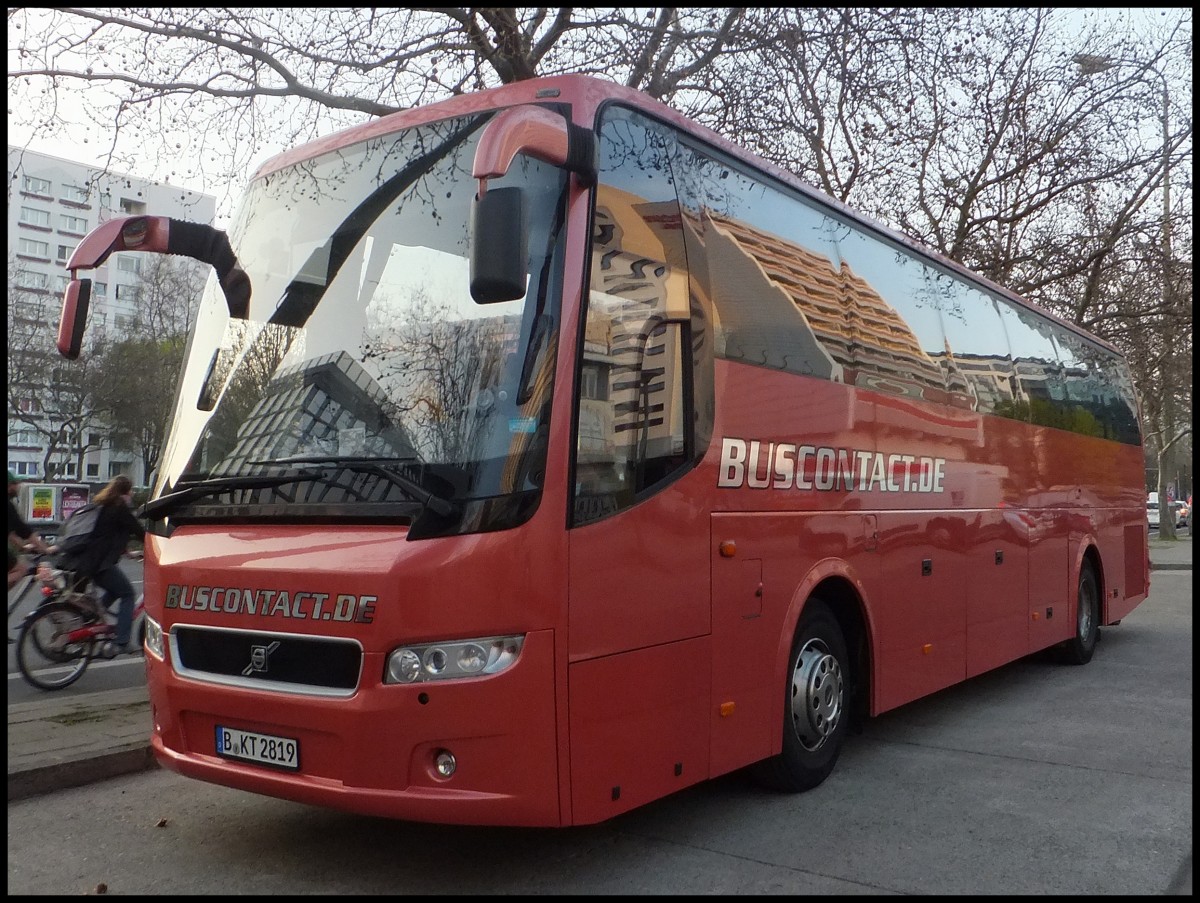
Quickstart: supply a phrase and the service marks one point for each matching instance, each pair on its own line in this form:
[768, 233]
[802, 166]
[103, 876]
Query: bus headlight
[452, 659]
[154, 637]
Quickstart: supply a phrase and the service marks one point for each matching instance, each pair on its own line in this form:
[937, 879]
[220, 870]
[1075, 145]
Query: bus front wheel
[816, 710]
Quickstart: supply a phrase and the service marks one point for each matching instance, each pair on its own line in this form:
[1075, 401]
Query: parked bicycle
[67, 629]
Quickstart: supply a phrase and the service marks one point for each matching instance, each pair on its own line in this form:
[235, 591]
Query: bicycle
[66, 631]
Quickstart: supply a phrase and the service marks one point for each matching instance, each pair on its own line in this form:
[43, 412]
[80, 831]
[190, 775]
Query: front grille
[284, 662]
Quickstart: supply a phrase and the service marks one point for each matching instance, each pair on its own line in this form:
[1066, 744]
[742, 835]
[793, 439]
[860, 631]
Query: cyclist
[115, 526]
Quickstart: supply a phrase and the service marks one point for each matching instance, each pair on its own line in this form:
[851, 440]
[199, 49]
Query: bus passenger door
[638, 615]
[638, 630]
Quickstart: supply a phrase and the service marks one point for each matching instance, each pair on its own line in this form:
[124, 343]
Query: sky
[85, 143]
[84, 149]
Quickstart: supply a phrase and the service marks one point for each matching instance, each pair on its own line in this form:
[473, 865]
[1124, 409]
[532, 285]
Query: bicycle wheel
[46, 657]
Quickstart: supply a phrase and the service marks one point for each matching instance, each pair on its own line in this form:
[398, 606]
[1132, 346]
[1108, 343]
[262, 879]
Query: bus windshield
[366, 383]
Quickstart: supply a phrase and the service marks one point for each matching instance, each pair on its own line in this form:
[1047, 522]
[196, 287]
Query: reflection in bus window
[977, 349]
[630, 432]
[796, 288]
[898, 304]
[1100, 405]
[765, 262]
[1040, 387]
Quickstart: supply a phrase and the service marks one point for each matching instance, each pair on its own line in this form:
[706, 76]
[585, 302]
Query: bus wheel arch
[840, 595]
[823, 685]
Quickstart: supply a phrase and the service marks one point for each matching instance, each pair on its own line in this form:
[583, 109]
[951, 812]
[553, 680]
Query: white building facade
[52, 204]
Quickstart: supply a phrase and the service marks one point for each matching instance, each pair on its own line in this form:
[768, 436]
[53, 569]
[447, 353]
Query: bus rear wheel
[1079, 649]
[816, 708]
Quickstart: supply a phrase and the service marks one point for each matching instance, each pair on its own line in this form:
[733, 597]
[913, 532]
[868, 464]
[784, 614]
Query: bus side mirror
[499, 246]
[499, 241]
[74, 317]
[152, 235]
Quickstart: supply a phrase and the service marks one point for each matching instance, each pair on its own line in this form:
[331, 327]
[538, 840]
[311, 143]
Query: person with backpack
[113, 527]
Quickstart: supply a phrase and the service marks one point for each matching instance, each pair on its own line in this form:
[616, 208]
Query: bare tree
[233, 79]
[135, 375]
[46, 396]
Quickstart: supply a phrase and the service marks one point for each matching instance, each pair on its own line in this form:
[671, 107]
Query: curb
[59, 743]
[65, 775]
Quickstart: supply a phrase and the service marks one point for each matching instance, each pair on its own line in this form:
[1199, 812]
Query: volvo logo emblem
[258, 658]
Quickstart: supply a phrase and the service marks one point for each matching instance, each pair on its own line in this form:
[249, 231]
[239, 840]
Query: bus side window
[636, 424]
[631, 432]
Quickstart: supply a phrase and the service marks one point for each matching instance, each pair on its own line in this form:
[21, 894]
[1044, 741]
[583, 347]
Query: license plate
[262, 749]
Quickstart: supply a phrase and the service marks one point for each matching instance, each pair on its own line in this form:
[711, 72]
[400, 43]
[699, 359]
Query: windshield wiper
[216, 485]
[376, 466]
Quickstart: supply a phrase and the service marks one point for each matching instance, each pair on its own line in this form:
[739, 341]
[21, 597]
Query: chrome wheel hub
[817, 694]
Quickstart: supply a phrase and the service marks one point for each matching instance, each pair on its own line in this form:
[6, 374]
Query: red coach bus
[539, 453]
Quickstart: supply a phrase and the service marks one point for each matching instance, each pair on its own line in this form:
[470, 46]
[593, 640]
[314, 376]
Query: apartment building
[54, 202]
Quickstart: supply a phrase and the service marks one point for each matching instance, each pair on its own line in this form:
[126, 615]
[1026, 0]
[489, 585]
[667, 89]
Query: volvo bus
[539, 453]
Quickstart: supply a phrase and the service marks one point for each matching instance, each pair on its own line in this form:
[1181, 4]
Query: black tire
[816, 705]
[43, 656]
[1080, 648]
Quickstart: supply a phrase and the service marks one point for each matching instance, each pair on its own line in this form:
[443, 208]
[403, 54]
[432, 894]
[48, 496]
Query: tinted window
[1099, 403]
[646, 364]
[896, 303]
[977, 349]
[767, 264]
[790, 284]
[1041, 392]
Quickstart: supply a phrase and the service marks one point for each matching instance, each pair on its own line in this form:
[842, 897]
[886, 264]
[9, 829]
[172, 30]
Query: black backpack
[76, 534]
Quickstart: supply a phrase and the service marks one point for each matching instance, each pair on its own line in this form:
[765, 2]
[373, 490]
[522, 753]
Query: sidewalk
[1172, 556]
[67, 741]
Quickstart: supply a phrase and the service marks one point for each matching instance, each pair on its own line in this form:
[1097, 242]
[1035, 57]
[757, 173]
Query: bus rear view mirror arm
[155, 235]
[539, 133]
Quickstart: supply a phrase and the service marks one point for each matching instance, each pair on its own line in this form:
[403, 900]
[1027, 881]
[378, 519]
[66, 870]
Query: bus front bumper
[376, 752]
